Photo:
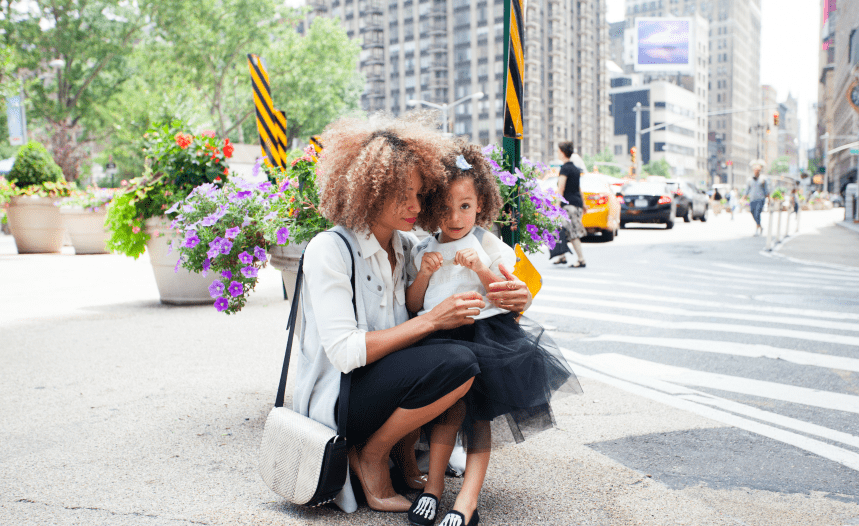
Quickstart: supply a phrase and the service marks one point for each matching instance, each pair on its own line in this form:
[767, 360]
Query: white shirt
[453, 279]
[324, 270]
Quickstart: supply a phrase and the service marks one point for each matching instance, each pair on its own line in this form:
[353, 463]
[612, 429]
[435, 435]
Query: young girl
[520, 367]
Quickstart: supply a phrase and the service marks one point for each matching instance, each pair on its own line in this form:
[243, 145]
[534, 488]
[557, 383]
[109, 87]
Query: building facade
[767, 133]
[440, 51]
[788, 133]
[734, 75]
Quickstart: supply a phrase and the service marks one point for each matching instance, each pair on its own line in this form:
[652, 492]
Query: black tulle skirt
[521, 369]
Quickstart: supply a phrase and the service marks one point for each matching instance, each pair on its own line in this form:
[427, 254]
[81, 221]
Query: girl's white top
[452, 279]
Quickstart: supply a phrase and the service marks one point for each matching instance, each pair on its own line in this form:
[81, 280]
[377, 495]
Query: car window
[645, 189]
[593, 185]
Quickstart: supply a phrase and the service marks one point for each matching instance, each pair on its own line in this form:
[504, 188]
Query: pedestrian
[757, 191]
[717, 196]
[370, 179]
[569, 187]
[794, 195]
[733, 201]
[520, 367]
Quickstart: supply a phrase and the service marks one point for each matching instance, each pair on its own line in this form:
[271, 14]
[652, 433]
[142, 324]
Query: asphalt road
[720, 388]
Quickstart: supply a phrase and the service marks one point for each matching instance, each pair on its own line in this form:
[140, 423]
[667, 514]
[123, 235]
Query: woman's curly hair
[434, 205]
[368, 161]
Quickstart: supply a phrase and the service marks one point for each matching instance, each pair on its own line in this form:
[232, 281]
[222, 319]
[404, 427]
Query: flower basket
[36, 224]
[285, 259]
[176, 286]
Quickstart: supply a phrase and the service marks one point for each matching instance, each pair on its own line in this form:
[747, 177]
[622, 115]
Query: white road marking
[750, 280]
[773, 418]
[705, 303]
[631, 368]
[749, 350]
[820, 324]
[840, 274]
[660, 288]
[698, 326]
[828, 451]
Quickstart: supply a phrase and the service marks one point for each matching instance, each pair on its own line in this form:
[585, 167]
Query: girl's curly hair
[434, 207]
[365, 162]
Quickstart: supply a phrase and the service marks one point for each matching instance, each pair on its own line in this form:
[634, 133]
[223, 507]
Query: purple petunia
[283, 236]
[247, 221]
[207, 265]
[235, 289]
[173, 209]
[259, 253]
[216, 289]
[209, 220]
[191, 239]
[232, 233]
[250, 272]
[489, 149]
[221, 304]
[187, 208]
[257, 165]
[178, 263]
[244, 194]
[226, 274]
[284, 185]
[534, 232]
[246, 258]
[549, 238]
[264, 186]
[270, 216]
[495, 166]
[507, 178]
[213, 252]
[226, 246]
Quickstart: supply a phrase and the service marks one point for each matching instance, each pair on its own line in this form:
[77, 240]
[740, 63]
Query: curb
[774, 254]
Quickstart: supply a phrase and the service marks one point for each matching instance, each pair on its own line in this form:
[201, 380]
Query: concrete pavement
[119, 410]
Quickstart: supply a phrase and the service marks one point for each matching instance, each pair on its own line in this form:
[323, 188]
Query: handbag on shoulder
[300, 459]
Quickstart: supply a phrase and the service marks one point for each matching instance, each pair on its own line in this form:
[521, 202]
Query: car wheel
[703, 217]
[688, 217]
[669, 225]
[607, 235]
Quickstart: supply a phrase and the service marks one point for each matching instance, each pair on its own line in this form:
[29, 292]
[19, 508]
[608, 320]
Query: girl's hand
[468, 258]
[430, 263]
[512, 295]
[457, 310]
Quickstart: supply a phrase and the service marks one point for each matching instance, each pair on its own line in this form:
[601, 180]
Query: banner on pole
[271, 123]
[515, 71]
[15, 119]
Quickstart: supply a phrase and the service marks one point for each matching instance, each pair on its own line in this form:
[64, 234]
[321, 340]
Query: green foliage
[127, 233]
[93, 198]
[34, 166]
[660, 167]
[780, 165]
[604, 157]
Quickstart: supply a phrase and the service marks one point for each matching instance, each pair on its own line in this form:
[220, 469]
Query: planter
[175, 288]
[36, 224]
[285, 259]
[86, 230]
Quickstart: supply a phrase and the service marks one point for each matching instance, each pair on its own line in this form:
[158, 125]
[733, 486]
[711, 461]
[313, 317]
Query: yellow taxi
[603, 208]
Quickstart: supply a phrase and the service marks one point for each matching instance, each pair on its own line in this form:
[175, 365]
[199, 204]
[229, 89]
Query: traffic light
[775, 118]
[632, 154]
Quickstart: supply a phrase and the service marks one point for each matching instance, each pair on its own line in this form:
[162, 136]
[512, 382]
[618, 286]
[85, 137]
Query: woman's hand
[512, 295]
[457, 310]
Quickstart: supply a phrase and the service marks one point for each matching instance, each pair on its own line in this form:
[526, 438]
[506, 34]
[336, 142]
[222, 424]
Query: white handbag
[300, 459]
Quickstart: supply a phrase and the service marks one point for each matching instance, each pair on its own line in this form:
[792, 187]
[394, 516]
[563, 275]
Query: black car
[647, 203]
[691, 202]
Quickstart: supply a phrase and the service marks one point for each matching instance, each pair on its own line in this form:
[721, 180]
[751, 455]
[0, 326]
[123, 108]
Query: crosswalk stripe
[755, 270]
[828, 451]
[698, 326]
[548, 276]
[632, 367]
[737, 349]
[576, 293]
[774, 418]
[821, 324]
[716, 275]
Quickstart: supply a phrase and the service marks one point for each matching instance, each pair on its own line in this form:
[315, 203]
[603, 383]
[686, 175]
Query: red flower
[208, 133]
[184, 140]
[218, 179]
[226, 171]
[228, 149]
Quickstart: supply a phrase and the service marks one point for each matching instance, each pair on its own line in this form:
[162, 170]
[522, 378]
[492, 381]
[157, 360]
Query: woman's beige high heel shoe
[395, 504]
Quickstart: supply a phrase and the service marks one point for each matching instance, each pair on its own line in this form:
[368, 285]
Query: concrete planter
[86, 230]
[285, 259]
[36, 224]
[175, 288]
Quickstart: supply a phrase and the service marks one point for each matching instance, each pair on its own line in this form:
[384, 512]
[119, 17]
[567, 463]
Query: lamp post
[445, 108]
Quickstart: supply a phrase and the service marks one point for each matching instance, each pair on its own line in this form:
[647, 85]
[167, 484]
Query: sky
[790, 33]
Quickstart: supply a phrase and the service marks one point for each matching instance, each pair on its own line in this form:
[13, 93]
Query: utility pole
[825, 138]
[638, 109]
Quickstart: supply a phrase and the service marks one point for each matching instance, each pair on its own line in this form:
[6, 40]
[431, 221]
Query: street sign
[729, 163]
[16, 120]
[271, 122]
[854, 151]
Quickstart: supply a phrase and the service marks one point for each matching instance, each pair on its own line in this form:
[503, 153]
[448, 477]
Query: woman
[370, 178]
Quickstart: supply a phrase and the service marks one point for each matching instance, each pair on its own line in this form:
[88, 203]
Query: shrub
[34, 166]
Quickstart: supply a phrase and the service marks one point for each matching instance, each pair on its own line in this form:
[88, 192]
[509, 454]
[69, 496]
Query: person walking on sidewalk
[570, 189]
[757, 191]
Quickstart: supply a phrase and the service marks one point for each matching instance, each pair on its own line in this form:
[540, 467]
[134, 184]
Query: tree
[603, 157]
[780, 165]
[72, 51]
[660, 167]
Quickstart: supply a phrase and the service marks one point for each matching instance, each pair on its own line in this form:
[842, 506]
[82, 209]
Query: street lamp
[445, 108]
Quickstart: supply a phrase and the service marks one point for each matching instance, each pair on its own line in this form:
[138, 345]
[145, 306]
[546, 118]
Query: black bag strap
[345, 379]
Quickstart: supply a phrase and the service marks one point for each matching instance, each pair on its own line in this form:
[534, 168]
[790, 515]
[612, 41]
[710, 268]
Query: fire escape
[373, 65]
[438, 49]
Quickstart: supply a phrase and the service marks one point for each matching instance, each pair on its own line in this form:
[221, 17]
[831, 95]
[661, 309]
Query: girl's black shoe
[424, 510]
[455, 518]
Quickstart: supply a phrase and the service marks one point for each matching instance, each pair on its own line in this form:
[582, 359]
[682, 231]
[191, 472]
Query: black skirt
[521, 368]
[561, 247]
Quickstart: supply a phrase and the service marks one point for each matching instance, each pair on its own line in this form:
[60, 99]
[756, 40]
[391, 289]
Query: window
[618, 149]
[854, 47]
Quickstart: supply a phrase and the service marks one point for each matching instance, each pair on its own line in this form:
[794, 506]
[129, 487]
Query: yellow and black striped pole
[514, 58]
[271, 123]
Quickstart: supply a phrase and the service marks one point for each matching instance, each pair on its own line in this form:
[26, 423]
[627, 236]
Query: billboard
[665, 44]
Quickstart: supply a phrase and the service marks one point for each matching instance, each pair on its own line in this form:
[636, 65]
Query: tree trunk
[68, 153]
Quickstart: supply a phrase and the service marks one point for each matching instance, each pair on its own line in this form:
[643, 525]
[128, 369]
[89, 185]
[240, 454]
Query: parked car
[603, 214]
[647, 203]
[691, 202]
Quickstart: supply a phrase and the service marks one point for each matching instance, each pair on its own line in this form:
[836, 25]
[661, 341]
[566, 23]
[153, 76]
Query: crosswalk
[700, 338]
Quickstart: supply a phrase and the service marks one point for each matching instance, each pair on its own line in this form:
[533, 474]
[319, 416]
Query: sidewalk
[825, 240]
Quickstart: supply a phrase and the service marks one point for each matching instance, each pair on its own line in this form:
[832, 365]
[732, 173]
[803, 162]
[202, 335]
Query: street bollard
[770, 228]
[798, 211]
[778, 225]
[787, 224]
